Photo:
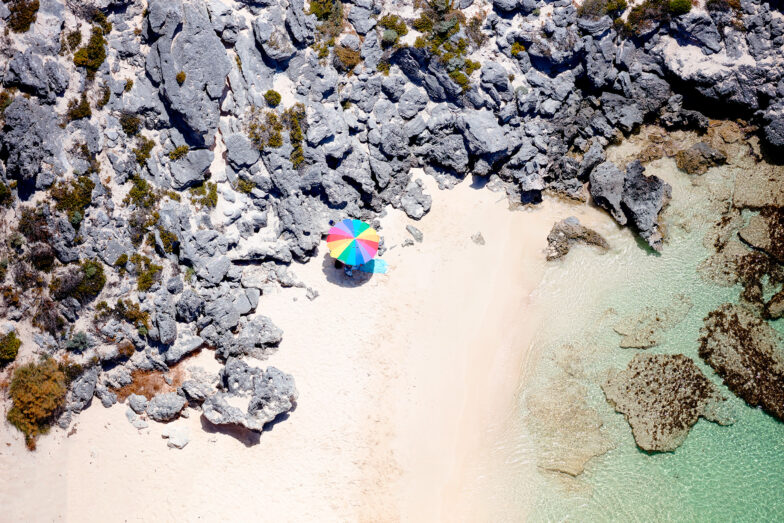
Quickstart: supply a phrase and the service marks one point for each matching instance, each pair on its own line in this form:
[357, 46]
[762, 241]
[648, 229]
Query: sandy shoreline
[405, 383]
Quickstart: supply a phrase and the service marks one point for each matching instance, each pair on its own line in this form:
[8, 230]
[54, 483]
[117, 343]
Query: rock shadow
[245, 436]
[338, 277]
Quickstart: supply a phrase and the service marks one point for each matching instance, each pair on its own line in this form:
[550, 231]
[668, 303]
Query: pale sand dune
[406, 383]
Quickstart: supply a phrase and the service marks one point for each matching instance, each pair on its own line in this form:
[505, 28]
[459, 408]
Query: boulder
[165, 407]
[566, 233]
[262, 394]
[32, 143]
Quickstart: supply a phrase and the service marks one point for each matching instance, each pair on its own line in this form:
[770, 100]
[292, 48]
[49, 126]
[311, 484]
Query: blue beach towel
[375, 266]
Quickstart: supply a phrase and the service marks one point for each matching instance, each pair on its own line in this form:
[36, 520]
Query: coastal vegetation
[37, 392]
[23, 14]
[9, 348]
[92, 56]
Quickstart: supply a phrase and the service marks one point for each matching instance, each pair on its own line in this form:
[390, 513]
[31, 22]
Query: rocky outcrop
[631, 197]
[662, 396]
[263, 394]
[176, 87]
[747, 353]
[566, 233]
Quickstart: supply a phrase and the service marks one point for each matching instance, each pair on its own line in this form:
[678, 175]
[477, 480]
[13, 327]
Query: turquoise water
[732, 473]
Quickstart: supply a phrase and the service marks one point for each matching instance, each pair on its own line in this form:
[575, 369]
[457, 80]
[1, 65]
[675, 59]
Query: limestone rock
[698, 158]
[566, 233]
[662, 396]
[747, 353]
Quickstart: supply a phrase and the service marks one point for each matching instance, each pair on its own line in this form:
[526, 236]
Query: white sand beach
[406, 381]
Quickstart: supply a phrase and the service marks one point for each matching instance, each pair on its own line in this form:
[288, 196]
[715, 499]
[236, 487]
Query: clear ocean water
[730, 473]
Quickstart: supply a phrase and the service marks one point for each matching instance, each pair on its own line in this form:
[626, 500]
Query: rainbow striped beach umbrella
[353, 242]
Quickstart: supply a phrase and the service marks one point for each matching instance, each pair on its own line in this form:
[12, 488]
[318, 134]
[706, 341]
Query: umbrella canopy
[353, 242]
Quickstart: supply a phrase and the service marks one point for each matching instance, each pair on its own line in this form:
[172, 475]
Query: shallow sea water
[720, 473]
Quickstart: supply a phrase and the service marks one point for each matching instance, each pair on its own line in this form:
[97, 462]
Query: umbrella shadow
[336, 275]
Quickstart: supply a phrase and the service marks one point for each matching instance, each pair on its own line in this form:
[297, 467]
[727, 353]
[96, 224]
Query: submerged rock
[644, 329]
[698, 158]
[566, 233]
[662, 396]
[747, 353]
[765, 232]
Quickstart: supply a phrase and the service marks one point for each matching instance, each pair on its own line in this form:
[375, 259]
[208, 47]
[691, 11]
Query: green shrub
[395, 23]
[245, 186]
[294, 117]
[9, 348]
[147, 272]
[615, 7]
[131, 312]
[143, 150]
[93, 54]
[128, 85]
[181, 77]
[23, 14]
[73, 197]
[679, 7]
[171, 243]
[265, 129]
[383, 67]
[272, 97]
[6, 196]
[394, 27]
[93, 282]
[205, 195]
[724, 6]
[6, 99]
[517, 49]
[142, 194]
[130, 123]
[179, 152]
[346, 58]
[78, 109]
[106, 95]
[73, 39]
[79, 342]
[321, 8]
[38, 393]
[100, 18]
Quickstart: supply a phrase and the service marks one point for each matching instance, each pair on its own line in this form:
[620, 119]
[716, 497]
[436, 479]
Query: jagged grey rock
[165, 407]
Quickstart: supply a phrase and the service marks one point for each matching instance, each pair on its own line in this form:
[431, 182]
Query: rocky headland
[164, 162]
